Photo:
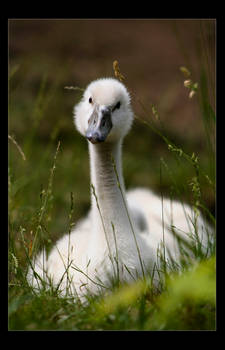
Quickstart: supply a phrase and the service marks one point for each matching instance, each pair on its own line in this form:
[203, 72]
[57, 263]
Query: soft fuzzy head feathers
[104, 113]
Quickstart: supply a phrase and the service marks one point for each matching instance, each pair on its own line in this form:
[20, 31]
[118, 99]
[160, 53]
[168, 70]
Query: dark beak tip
[94, 138]
[92, 141]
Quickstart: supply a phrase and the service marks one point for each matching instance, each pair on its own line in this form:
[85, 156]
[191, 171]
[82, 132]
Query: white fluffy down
[103, 243]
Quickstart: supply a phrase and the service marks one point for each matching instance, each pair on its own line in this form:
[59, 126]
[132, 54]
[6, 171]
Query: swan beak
[99, 125]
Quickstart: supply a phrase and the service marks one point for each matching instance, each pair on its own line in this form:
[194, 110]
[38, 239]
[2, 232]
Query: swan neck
[108, 202]
[106, 169]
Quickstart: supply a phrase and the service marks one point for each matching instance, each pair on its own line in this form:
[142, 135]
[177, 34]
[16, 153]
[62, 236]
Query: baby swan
[122, 232]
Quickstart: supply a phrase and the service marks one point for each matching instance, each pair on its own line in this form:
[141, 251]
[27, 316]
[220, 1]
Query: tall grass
[186, 299]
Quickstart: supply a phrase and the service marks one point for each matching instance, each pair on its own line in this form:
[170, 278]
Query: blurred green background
[47, 55]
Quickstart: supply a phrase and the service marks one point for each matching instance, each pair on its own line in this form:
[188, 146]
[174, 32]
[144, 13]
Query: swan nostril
[103, 122]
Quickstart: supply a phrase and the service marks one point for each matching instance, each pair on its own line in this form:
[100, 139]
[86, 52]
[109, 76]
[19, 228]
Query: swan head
[104, 114]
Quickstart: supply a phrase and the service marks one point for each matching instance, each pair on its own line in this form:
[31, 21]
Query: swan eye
[90, 100]
[117, 105]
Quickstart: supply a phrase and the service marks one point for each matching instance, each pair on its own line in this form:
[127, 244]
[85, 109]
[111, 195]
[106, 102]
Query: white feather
[88, 249]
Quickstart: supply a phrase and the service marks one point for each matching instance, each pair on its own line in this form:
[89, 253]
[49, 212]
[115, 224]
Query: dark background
[149, 52]
[47, 55]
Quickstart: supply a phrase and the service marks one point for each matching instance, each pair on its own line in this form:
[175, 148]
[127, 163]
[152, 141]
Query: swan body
[122, 232]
